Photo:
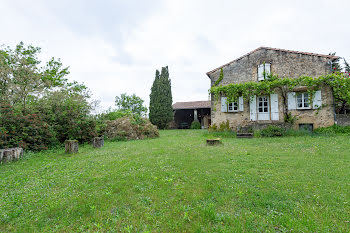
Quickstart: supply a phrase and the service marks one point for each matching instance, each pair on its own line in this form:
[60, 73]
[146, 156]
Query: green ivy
[339, 82]
[221, 76]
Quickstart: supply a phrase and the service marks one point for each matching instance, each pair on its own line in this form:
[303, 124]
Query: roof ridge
[276, 49]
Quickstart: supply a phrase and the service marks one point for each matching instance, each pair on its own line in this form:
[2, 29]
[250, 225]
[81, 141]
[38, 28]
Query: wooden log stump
[1, 154]
[7, 155]
[71, 146]
[213, 142]
[98, 142]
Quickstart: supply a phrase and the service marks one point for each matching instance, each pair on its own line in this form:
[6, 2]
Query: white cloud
[116, 46]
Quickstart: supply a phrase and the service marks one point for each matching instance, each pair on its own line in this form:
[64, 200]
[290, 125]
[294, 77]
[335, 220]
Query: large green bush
[272, 131]
[195, 125]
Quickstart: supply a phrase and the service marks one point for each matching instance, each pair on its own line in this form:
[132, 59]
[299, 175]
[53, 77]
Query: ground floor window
[233, 107]
[303, 101]
[263, 104]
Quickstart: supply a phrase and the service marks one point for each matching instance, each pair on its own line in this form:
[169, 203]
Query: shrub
[127, 128]
[223, 126]
[195, 125]
[28, 131]
[332, 130]
[272, 131]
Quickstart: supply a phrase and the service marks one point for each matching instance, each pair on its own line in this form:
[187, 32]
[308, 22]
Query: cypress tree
[160, 108]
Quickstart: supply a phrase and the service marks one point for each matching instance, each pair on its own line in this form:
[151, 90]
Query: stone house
[268, 109]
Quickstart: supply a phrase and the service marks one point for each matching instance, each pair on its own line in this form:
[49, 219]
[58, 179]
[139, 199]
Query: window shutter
[317, 102]
[260, 72]
[267, 69]
[274, 107]
[241, 103]
[223, 104]
[292, 102]
[252, 106]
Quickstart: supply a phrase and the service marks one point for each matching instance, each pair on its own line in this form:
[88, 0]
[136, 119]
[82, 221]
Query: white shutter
[317, 102]
[241, 103]
[267, 69]
[260, 72]
[274, 107]
[252, 106]
[223, 104]
[292, 101]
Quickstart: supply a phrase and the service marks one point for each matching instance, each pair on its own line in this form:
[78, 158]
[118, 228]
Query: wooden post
[213, 142]
[98, 142]
[71, 146]
[8, 155]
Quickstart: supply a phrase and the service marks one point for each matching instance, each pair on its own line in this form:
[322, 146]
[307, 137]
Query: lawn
[176, 183]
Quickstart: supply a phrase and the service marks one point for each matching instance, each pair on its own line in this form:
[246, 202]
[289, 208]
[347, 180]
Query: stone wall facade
[343, 119]
[284, 64]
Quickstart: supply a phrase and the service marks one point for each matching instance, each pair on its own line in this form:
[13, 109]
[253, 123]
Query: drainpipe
[334, 113]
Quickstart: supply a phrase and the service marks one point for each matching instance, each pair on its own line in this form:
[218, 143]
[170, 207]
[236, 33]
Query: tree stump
[7, 155]
[98, 142]
[213, 142]
[71, 146]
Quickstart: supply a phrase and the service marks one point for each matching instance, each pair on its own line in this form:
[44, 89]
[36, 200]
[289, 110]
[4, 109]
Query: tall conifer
[160, 109]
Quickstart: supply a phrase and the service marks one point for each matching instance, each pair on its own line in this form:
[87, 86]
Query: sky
[115, 47]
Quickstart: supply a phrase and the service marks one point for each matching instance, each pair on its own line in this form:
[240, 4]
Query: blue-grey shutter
[292, 102]
[317, 102]
[260, 72]
[241, 103]
[252, 106]
[267, 69]
[223, 104]
[274, 107]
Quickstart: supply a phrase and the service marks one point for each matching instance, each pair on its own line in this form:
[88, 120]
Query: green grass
[178, 184]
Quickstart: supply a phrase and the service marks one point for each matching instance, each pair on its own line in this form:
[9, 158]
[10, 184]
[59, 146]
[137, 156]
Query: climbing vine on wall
[339, 82]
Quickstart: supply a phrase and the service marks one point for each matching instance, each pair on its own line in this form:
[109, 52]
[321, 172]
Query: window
[263, 104]
[233, 107]
[263, 71]
[303, 101]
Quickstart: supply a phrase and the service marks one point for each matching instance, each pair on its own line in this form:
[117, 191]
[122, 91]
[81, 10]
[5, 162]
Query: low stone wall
[8, 155]
[343, 119]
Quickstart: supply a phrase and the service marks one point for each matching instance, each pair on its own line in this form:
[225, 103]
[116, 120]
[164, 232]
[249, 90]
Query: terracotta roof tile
[191, 105]
[276, 49]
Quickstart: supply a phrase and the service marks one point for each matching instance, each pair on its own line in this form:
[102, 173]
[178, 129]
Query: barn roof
[191, 105]
[332, 57]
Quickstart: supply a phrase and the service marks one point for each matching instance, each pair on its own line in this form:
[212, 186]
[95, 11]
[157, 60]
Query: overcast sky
[116, 46]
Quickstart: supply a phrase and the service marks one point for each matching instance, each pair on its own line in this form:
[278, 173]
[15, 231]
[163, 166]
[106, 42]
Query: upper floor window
[303, 100]
[263, 71]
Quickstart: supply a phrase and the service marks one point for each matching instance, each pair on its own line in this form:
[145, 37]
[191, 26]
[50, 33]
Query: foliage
[131, 103]
[333, 130]
[177, 184]
[195, 125]
[223, 126]
[289, 118]
[272, 131]
[28, 131]
[339, 82]
[130, 128]
[160, 108]
[46, 107]
[22, 77]
[221, 77]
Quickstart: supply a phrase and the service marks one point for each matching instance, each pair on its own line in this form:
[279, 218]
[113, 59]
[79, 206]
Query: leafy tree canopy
[131, 103]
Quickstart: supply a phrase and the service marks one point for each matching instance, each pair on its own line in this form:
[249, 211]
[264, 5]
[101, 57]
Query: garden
[176, 183]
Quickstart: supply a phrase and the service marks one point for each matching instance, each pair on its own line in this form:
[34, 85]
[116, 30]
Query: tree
[131, 103]
[336, 67]
[23, 79]
[160, 108]
[346, 66]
